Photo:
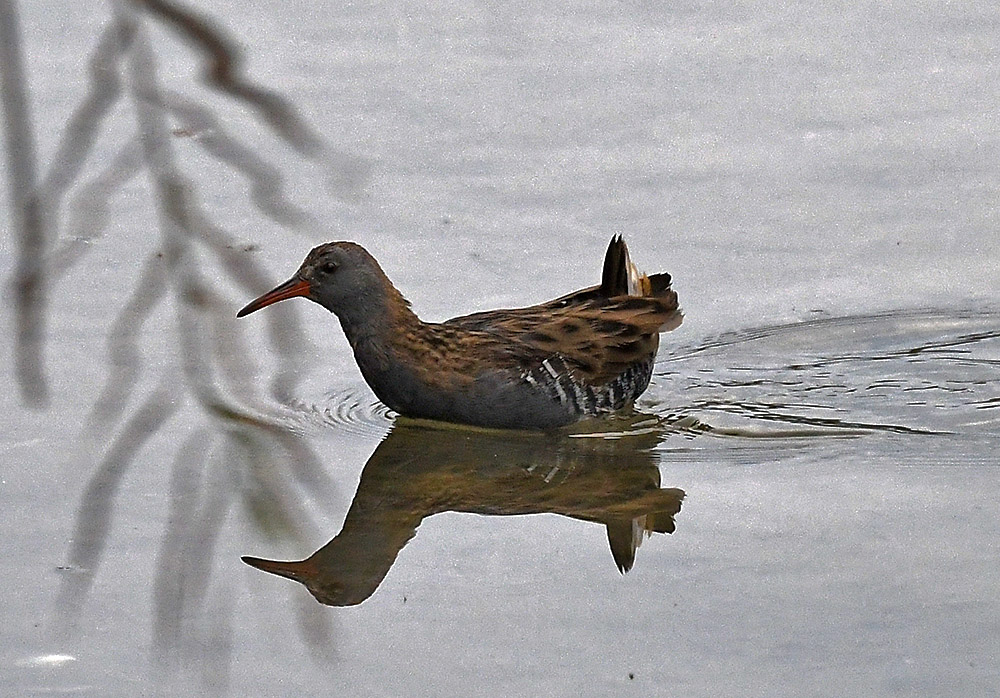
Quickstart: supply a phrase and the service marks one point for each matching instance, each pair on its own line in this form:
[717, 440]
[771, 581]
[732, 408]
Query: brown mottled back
[599, 331]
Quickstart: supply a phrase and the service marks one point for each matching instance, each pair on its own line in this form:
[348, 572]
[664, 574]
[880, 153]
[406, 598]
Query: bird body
[585, 354]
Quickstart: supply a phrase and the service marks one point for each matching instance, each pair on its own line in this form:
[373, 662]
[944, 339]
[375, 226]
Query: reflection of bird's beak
[299, 571]
[290, 289]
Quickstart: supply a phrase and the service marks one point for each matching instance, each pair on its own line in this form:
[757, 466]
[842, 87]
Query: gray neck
[374, 326]
[374, 315]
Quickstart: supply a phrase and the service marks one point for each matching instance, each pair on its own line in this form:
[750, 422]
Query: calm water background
[821, 179]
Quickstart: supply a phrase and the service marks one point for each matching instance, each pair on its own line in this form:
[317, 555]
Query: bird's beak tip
[290, 289]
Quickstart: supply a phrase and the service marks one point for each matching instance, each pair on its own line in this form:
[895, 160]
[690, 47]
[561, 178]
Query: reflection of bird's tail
[659, 522]
[626, 535]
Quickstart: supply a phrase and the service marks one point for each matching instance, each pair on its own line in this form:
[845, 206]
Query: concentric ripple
[352, 409]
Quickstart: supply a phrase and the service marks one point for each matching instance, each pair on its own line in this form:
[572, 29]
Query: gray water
[805, 499]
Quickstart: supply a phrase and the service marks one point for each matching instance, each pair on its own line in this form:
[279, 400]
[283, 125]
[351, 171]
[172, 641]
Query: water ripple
[915, 372]
[352, 409]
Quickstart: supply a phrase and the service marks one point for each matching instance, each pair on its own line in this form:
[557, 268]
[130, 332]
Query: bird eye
[328, 267]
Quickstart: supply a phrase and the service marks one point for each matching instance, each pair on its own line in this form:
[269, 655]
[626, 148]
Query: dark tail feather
[614, 277]
[659, 283]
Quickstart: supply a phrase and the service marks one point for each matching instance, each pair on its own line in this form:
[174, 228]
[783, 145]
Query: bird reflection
[422, 469]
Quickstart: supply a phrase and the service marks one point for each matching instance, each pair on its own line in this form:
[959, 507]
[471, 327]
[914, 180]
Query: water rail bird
[585, 354]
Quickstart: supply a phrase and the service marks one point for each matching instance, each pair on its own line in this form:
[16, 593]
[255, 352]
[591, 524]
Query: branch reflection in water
[194, 401]
[422, 469]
